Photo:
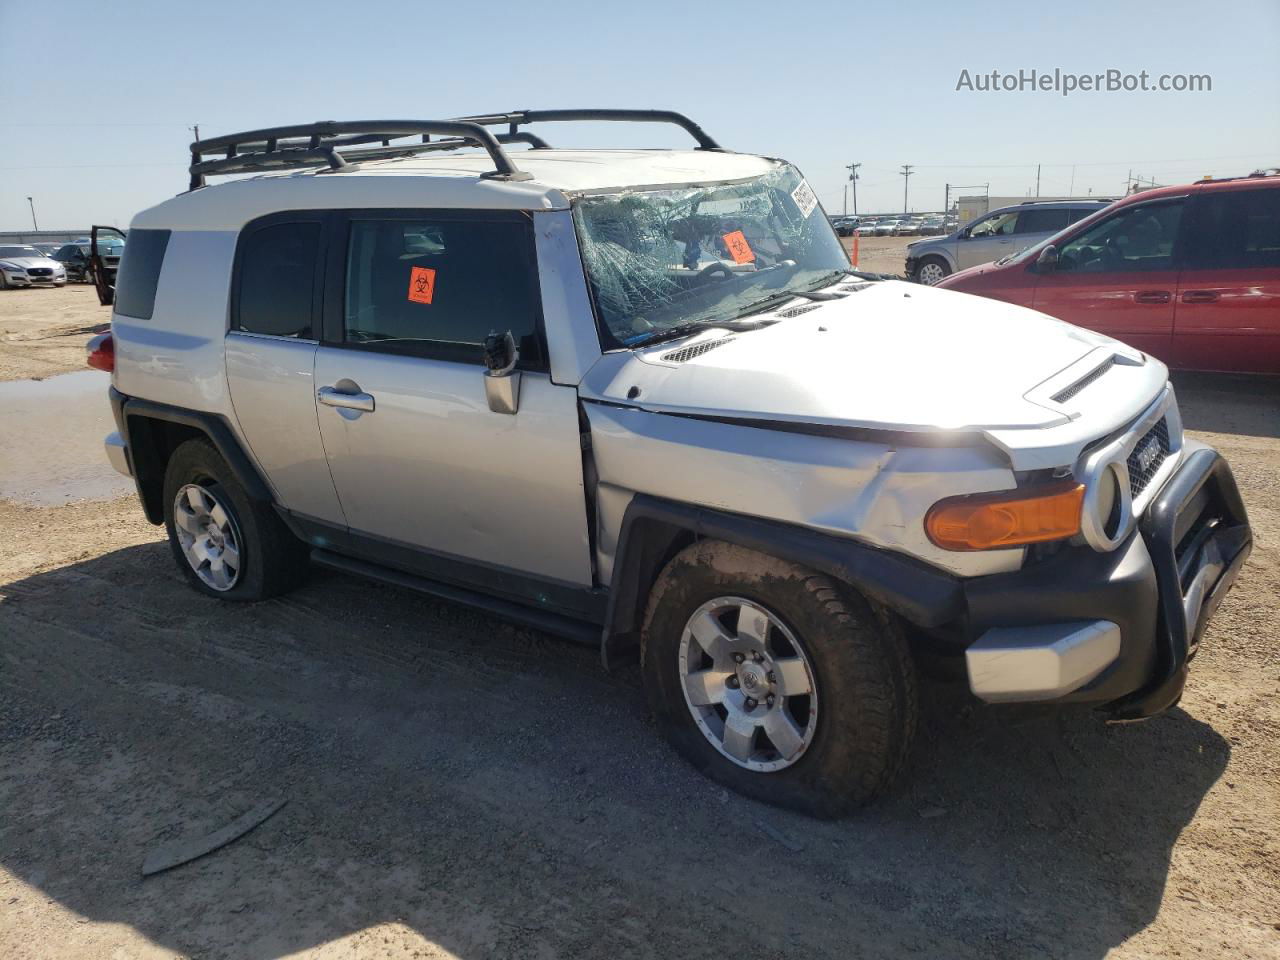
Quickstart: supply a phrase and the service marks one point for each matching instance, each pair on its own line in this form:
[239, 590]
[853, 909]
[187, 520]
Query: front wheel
[777, 681]
[932, 270]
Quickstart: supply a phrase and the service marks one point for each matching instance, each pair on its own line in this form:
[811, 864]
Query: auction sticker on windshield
[805, 198]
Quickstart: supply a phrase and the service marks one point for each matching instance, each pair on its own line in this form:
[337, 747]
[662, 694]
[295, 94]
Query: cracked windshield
[663, 262]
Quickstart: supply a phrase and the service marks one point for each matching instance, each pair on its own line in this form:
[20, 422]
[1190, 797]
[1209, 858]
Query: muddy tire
[227, 545]
[776, 681]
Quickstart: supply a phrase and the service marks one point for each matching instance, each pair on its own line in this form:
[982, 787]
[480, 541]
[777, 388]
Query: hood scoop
[694, 350]
[1074, 389]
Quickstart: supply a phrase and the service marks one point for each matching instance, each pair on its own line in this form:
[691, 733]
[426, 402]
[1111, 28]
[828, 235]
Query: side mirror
[501, 378]
[965, 231]
[1048, 259]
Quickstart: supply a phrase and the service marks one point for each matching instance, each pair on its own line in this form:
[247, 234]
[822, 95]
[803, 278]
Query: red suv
[1188, 274]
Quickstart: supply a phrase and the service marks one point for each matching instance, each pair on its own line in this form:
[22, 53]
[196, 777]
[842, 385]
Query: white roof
[447, 181]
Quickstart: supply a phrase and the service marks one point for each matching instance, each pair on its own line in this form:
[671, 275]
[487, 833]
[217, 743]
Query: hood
[27, 263]
[890, 355]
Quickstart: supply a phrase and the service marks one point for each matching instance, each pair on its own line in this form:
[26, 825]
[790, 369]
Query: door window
[436, 287]
[277, 284]
[1140, 237]
[1041, 221]
[1235, 229]
[996, 225]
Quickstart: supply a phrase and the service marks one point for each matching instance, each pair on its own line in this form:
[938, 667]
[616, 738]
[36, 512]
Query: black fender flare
[652, 527]
[135, 418]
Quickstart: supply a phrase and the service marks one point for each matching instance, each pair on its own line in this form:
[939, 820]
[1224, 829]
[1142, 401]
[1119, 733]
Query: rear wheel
[227, 545]
[777, 681]
[931, 270]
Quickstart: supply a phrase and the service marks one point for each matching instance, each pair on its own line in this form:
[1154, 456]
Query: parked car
[997, 234]
[1188, 274]
[866, 227]
[75, 257]
[22, 265]
[46, 249]
[886, 228]
[639, 398]
[845, 226]
[932, 226]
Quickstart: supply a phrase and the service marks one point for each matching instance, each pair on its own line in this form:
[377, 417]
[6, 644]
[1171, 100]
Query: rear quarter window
[139, 273]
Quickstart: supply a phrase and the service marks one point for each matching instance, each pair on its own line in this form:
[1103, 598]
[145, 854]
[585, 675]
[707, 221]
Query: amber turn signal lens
[1008, 519]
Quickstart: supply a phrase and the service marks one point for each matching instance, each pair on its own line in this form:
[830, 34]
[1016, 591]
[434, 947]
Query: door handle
[333, 397]
[1200, 296]
[1151, 296]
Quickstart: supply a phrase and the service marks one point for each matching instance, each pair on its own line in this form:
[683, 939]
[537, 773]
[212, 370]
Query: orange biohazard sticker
[738, 248]
[422, 284]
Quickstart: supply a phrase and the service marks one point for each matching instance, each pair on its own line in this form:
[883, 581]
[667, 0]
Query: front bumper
[1115, 628]
[26, 280]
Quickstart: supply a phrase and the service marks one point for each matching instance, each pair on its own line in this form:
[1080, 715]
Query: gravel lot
[459, 787]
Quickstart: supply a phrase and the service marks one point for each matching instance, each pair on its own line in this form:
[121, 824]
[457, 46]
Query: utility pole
[906, 172]
[853, 179]
[1037, 179]
[34, 225]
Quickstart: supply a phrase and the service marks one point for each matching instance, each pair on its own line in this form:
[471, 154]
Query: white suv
[639, 398]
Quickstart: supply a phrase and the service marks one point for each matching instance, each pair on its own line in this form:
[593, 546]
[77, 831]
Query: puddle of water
[51, 434]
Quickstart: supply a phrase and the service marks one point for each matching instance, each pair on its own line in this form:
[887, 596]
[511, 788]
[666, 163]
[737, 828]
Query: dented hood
[890, 355]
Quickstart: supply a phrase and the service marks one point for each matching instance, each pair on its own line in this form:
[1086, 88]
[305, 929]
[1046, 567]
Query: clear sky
[98, 101]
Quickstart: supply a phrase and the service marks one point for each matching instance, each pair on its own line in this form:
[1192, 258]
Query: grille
[40, 272]
[1145, 460]
[796, 311]
[1062, 396]
[696, 350]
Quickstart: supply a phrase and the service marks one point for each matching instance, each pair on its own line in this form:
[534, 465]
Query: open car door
[102, 264]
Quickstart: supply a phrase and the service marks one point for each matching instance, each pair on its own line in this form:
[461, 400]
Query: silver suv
[639, 399]
[993, 236]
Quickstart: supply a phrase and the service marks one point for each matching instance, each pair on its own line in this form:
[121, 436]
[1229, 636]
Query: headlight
[1010, 518]
[12, 268]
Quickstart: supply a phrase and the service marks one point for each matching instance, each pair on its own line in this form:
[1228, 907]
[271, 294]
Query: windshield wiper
[690, 328]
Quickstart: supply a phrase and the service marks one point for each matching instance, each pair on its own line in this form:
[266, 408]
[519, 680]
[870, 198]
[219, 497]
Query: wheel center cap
[753, 680]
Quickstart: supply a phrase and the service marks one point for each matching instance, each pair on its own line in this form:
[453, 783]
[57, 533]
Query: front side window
[1140, 237]
[996, 225]
[277, 279]
[663, 259]
[1235, 229]
[437, 286]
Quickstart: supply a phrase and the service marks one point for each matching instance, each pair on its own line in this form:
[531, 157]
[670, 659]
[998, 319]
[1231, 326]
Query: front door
[420, 461]
[104, 248]
[1118, 276]
[988, 239]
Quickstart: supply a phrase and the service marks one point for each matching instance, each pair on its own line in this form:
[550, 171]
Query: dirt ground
[460, 788]
[43, 331]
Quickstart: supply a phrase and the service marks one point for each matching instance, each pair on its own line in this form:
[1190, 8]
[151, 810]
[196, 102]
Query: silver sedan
[25, 266]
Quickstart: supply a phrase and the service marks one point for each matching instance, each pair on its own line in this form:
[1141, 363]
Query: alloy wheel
[208, 536]
[748, 684]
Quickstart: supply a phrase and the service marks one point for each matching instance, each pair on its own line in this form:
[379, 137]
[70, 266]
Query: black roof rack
[313, 144]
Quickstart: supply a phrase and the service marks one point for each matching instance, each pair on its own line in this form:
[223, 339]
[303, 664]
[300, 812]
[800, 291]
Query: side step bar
[554, 623]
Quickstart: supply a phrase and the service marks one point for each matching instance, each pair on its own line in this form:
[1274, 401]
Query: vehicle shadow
[457, 784]
[1229, 403]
